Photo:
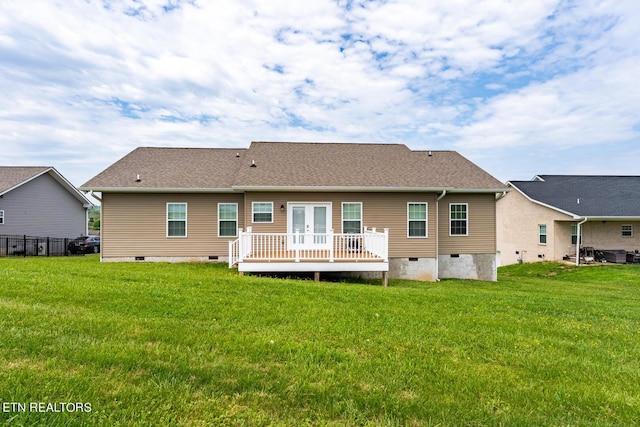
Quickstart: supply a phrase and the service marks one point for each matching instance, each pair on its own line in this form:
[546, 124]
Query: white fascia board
[335, 189]
[155, 190]
[20, 184]
[612, 218]
[70, 187]
[60, 180]
[537, 202]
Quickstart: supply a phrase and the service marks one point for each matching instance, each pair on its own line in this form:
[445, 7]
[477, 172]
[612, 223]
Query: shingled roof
[167, 169]
[294, 166]
[586, 195]
[12, 177]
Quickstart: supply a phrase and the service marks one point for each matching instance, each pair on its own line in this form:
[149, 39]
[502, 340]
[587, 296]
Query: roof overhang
[60, 180]
[363, 189]
[303, 189]
[571, 214]
[610, 218]
[155, 190]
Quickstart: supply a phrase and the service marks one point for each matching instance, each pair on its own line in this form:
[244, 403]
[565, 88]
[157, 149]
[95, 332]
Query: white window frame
[466, 219]
[342, 219]
[220, 220]
[574, 234]
[629, 230]
[253, 213]
[186, 216]
[1, 217]
[426, 220]
[540, 234]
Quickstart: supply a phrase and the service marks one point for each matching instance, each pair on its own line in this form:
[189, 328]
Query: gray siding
[43, 207]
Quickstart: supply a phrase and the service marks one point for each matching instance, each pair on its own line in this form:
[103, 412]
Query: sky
[520, 88]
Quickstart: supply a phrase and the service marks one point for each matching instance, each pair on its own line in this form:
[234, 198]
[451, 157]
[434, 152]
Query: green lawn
[195, 344]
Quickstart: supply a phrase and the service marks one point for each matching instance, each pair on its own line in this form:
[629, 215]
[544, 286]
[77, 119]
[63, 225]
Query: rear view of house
[555, 217]
[316, 207]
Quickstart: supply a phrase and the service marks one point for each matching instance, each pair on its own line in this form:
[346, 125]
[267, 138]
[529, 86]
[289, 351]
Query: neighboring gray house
[541, 219]
[38, 201]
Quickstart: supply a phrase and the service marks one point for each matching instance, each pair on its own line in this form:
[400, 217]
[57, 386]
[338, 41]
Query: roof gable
[293, 166]
[586, 195]
[12, 177]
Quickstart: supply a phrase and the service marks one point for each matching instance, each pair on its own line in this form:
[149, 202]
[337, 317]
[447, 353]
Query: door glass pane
[320, 223]
[297, 223]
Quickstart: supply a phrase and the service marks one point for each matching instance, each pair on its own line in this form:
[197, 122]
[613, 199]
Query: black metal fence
[33, 246]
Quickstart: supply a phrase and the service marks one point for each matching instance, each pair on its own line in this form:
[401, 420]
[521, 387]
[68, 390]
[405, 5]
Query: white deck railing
[329, 247]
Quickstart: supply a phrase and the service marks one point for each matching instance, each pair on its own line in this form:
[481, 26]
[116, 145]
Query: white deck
[298, 252]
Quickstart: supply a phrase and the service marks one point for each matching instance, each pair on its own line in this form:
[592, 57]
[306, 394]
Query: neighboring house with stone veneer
[38, 201]
[315, 207]
[541, 219]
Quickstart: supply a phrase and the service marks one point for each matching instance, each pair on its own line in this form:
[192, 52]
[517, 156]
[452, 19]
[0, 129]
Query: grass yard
[195, 344]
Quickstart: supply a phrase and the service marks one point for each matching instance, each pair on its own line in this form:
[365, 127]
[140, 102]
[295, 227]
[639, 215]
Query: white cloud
[84, 82]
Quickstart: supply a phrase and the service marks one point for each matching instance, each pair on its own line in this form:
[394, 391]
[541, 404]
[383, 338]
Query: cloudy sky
[519, 87]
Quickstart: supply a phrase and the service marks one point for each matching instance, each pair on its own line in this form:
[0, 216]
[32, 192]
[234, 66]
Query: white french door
[311, 221]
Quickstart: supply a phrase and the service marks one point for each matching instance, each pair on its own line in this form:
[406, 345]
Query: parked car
[85, 245]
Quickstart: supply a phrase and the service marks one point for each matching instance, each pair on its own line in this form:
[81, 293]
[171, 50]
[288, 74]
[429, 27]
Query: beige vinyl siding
[136, 225]
[481, 225]
[379, 210]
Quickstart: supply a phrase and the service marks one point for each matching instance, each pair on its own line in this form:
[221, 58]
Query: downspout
[91, 193]
[444, 193]
[578, 239]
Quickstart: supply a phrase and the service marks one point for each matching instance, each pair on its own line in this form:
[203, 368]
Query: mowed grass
[195, 344]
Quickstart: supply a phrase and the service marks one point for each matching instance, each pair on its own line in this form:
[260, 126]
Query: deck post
[386, 245]
[385, 280]
[330, 237]
[297, 245]
[240, 245]
[316, 276]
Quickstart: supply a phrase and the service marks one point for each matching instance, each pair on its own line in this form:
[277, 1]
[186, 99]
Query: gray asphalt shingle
[586, 195]
[293, 165]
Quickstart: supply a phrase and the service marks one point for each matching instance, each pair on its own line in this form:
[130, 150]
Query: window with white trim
[262, 211]
[416, 219]
[542, 234]
[458, 219]
[227, 219]
[351, 217]
[1, 217]
[176, 220]
[627, 230]
[574, 234]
